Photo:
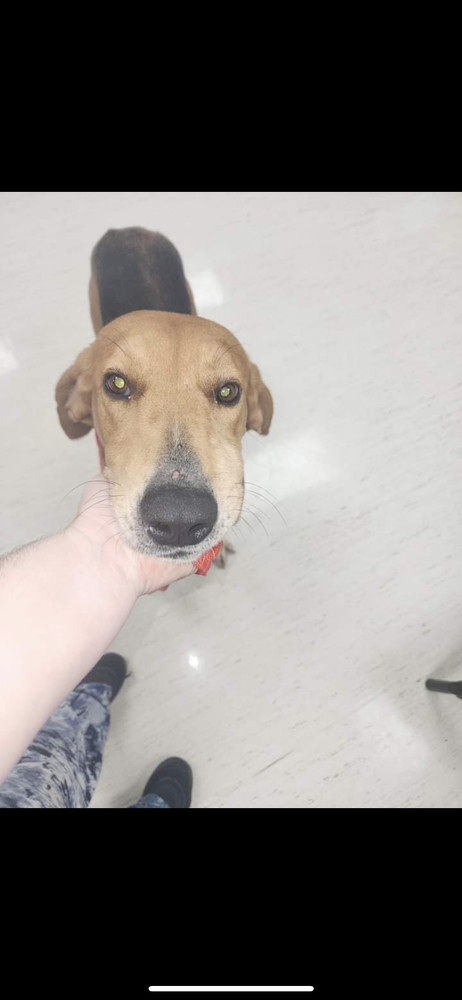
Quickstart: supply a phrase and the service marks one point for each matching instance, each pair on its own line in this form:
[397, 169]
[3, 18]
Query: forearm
[60, 608]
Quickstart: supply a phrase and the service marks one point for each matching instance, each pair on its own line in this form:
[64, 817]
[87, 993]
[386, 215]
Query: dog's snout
[178, 515]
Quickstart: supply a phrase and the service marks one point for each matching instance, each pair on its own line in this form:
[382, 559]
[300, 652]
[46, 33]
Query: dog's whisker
[244, 486]
[249, 506]
[101, 514]
[115, 343]
[116, 534]
[270, 502]
[259, 521]
[250, 526]
[252, 508]
[245, 509]
[94, 500]
[85, 483]
[231, 347]
[103, 491]
[95, 503]
[249, 482]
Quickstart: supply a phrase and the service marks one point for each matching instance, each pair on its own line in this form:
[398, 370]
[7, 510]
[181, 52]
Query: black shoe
[445, 687]
[111, 669]
[172, 781]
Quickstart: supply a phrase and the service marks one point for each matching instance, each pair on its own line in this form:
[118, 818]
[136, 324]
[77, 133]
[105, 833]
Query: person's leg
[61, 767]
[150, 802]
[169, 787]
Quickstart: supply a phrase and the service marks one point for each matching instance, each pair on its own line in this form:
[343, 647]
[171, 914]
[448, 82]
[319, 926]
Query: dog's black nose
[178, 515]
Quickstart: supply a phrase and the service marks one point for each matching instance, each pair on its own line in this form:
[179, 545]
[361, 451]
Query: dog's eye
[117, 385]
[228, 394]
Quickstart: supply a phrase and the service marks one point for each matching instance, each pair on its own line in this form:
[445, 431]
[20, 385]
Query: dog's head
[170, 397]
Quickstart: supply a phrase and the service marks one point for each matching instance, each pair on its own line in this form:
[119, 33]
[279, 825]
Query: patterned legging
[59, 770]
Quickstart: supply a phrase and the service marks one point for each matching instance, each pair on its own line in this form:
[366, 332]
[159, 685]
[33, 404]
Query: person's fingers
[96, 487]
[97, 519]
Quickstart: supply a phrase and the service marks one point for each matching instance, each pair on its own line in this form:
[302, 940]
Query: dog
[170, 396]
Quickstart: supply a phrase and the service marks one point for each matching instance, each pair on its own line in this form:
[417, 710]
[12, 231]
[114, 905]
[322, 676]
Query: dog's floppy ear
[73, 396]
[259, 403]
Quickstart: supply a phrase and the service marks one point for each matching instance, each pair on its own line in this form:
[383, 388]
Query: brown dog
[170, 396]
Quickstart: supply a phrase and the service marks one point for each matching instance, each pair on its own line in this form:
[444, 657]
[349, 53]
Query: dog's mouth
[138, 539]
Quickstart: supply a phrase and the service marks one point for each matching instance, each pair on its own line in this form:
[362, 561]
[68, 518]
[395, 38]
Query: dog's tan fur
[174, 362]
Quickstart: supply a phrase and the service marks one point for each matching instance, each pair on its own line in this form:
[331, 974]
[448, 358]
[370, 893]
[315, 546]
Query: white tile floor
[296, 677]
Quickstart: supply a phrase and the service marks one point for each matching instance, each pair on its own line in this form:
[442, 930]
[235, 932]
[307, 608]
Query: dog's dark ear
[259, 403]
[73, 396]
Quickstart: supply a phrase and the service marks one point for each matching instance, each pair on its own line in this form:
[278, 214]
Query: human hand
[96, 525]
